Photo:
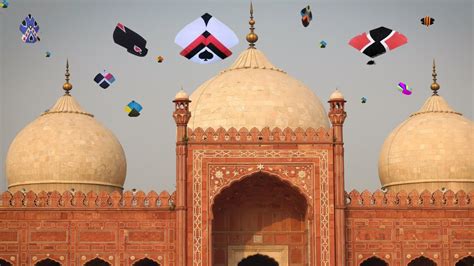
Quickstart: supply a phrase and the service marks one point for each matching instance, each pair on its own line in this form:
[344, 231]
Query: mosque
[260, 182]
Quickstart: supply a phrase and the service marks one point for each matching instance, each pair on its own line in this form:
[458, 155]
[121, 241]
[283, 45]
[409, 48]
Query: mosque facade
[260, 181]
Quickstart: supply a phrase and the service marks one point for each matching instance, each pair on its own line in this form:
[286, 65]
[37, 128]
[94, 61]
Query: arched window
[97, 262]
[422, 261]
[146, 262]
[373, 261]
[4, 262]
[467, 261]
[47, 262]
[258, 259]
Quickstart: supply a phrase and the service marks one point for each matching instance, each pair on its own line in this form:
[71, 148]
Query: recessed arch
[255, 211]
[374, 261]
[5, 262]
[467, 261]
[422, 261]
[47, 262]
[146, 262]
[258, 259]
[97, 262]
[261, 173]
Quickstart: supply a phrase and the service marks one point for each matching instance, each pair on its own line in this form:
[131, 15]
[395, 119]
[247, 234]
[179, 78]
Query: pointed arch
[422, 261]
[244, 177]
[146, 262]
[5, 262]
[466, 261]
[97, 262]
[258, 259]
[374, 261]
[47, 262]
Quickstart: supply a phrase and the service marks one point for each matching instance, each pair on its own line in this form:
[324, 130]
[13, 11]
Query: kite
[104, 79]
[159, 59]
[29, 28]
[363, 100]
[306, 16]
[377, 42]
[131, 40]
[322, 44]
[206, 40]
[4, 3]
[371, 62]
[133, 109]
[48, 54]
[404, 88]
[427, 21]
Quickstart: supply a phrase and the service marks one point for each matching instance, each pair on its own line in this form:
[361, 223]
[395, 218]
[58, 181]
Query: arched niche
[258, 259]
[467, 261]
[422, 261]
[252, 212]
[374, 261]
[4, 262]
[146, 262]
[47, 262]
[97, 262]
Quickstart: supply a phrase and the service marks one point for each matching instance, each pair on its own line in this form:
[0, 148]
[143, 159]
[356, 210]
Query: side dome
[63, 149]
[254, 93]
[432, 149]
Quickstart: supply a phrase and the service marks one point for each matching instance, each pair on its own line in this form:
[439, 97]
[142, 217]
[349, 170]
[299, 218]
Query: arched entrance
[373, 261]
[47, 262]
[258, 259]
[97, 262]
[146, 262]
[260, 214]
[4, 262]
[467, 261]
[422, 261]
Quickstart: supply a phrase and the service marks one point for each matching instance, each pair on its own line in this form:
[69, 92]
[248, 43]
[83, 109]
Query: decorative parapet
[288, 135]
[437, 199]
[127, 199]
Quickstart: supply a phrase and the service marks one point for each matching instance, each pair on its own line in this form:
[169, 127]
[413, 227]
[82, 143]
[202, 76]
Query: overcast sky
[81, 30]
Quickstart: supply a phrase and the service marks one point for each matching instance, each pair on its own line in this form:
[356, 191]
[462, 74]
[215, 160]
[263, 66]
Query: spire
[67, 86]
[251, 37]
[434, 86]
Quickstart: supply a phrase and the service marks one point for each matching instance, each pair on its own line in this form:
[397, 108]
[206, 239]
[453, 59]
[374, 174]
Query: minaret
[181, 116]
[337, 115]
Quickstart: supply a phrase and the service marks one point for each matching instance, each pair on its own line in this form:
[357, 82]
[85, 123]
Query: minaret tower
[337, 115]
[181, 116]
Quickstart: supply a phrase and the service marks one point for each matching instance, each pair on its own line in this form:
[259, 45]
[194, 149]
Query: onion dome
[63, 149]
[432, 149]
[252, 92]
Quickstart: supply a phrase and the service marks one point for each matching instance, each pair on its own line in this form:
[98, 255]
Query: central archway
[260, 213]
[258, 259]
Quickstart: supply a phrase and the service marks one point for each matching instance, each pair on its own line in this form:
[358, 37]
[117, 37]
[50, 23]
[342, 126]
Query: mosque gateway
[260, 182]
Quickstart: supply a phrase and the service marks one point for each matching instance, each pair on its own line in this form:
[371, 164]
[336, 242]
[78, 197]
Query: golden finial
[434, 86]
[251, 37]
[67, 86]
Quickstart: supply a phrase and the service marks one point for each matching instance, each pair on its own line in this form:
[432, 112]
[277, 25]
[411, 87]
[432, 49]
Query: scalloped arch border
[241, 178]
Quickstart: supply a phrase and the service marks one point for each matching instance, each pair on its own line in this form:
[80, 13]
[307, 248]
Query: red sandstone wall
[401, 227]
[75, 229]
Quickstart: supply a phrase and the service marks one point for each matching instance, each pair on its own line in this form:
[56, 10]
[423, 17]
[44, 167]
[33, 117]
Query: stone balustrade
[255, 135]
[68, 199]
[437, 199]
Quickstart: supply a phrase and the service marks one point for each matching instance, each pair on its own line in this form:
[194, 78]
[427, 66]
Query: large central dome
[254, 93]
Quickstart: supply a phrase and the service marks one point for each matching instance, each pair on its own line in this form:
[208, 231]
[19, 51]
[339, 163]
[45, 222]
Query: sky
[81, 30]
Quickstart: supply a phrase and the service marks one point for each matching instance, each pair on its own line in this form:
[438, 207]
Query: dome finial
[434, 86]
[251, 37]
[67, 86]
